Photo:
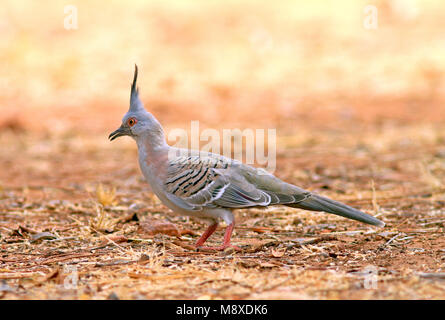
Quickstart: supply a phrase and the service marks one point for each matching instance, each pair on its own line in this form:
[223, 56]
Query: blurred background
[310, 69]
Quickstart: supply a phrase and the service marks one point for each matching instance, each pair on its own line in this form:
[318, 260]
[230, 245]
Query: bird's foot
[223, 247]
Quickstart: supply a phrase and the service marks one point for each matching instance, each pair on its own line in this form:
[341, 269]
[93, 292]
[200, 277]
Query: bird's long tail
[319, 203]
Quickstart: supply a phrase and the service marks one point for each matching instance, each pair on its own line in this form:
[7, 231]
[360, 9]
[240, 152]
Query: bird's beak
[122, 131]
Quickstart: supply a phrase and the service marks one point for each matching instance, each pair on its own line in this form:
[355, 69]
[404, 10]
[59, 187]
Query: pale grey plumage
[212, 181]
[208, 185]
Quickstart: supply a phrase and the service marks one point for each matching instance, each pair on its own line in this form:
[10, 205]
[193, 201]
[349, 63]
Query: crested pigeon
[208, 185]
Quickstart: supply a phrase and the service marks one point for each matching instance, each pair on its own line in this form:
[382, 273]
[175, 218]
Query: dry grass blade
[375, 205]
[106, 197]
[102, 222]
[435, 183]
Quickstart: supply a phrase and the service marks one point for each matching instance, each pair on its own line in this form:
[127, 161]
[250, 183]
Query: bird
[209, 186]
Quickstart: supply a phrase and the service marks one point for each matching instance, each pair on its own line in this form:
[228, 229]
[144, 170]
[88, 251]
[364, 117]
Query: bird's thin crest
[135, 102]
[134, 89]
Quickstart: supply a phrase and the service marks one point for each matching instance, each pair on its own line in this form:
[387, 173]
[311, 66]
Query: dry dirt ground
[358, 114]
[66, 236]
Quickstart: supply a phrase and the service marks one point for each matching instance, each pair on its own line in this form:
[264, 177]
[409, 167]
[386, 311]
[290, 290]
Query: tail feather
[319, 203]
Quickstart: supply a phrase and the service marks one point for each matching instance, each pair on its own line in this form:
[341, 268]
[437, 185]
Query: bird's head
[137, 122]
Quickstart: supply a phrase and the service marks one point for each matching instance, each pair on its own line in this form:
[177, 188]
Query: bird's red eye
[132, 121]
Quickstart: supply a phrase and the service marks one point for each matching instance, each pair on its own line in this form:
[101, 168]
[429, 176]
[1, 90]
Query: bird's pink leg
[206, 234]
[226, 242]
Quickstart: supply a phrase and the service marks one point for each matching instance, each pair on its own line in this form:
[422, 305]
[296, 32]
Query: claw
[219, 248]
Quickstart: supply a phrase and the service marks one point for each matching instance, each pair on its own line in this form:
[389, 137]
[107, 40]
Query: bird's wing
[197, 182]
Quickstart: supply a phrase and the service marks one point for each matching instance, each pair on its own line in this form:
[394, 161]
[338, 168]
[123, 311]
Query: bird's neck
[152, 145]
